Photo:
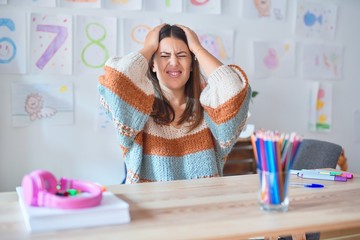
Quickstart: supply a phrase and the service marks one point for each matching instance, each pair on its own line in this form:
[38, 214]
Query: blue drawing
[7, 45]
[310, 19]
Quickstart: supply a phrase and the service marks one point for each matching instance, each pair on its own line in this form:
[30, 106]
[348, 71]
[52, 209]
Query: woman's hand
[207, 61]
[151, 42]
[192, 38]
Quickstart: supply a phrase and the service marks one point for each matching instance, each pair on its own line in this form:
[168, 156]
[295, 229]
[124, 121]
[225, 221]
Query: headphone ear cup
[36, 183]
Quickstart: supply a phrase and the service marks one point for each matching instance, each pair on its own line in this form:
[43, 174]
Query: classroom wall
[79, 151]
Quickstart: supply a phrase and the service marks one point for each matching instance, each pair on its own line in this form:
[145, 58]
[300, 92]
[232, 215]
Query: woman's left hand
[192, 38]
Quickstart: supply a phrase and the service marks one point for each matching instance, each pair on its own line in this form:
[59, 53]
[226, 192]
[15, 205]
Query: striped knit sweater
[155, 152]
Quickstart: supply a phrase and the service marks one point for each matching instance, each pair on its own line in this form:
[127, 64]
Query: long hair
[162, 112]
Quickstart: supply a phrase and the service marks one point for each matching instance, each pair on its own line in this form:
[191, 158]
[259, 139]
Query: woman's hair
[162, 111]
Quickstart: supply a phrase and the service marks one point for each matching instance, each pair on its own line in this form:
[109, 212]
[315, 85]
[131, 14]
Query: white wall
[79, 151]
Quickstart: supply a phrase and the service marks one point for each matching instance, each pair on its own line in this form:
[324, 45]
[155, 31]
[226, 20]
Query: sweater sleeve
[226, 101]
[126, 95]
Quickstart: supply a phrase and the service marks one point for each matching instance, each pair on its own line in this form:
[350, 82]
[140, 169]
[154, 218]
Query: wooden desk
[216, 208]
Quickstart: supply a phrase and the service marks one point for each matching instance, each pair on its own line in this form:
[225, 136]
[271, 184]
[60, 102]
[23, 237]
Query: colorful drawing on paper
[316, 20]
[135, 31]
[125, 5]
[80, 3]
[266, 9]
[44, 3]
[274, 59]
[322, 61]
[219, 43]
[203, 6]
[12, 48]
[51, 43]
[95, 42]
[320, 107]
[42, 103]
[164, 5]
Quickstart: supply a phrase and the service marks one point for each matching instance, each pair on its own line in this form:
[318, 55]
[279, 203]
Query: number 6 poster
[12, 43]
[51, 44]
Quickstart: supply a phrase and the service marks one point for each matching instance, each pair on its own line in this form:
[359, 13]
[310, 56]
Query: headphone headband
[40, 188]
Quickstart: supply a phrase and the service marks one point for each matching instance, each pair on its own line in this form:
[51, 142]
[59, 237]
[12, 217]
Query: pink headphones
[40, 188]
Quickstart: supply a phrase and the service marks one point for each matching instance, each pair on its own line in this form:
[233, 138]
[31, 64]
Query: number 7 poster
[51, 43]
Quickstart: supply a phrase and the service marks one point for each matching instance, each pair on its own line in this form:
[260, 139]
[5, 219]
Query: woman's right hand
[151, 43]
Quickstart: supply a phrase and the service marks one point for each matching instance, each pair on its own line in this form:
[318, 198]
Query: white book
[112, 210]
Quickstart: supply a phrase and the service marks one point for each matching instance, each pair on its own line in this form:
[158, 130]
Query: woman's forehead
[172, 44]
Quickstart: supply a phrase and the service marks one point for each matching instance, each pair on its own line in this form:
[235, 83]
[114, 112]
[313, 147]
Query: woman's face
[172, 64]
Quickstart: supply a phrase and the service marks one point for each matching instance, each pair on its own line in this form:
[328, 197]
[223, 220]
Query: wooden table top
[214, 208]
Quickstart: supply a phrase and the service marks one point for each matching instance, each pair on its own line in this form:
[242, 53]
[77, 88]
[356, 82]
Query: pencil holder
[273, 192]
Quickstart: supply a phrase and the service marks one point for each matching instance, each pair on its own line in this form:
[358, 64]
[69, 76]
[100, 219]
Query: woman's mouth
[174, 73]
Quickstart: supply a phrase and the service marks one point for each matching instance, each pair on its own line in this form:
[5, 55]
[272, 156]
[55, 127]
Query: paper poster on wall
[3, 1]
[42, 103]
[357, 126]
[12, 43]
[51, 43]
[135, 31]
[103, 123]
[315, 20]
[265, 9]
[164, 5]
[126, 5]
[322, 61]
[219, 43]
[96, 41]
[80, 3]
[203, 6]
[42, 3]
[274, 59]
[320, 107]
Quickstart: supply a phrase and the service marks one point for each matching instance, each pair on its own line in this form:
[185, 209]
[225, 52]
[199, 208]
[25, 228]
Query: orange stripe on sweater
[154, 145]
[123, 87]
[230, 108]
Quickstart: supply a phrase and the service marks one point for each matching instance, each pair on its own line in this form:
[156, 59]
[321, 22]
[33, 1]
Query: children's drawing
[95, 42]
[135, 31]
[80, 3]
[164, 5]
[34, 107]
[320, 107]
[316, 20]
[12, 44]
[126, 5]
[43, 3]
[322, 61]
[203, 6]
[51, 43]
[274, 59]
[219, 43]
[41, 103]
[265, 9]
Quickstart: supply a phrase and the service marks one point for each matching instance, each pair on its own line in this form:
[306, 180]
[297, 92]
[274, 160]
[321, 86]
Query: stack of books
[112, 210]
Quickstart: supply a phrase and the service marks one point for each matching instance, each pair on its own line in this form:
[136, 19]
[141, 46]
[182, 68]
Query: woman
[170, 125]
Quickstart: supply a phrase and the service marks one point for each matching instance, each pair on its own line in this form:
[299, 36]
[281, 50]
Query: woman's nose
[173, 60]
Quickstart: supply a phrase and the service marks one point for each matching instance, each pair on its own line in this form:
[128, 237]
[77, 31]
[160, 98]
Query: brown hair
[162, 112]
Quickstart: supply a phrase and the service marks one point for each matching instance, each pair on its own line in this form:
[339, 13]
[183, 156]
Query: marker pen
[314, 175]
[343, 174]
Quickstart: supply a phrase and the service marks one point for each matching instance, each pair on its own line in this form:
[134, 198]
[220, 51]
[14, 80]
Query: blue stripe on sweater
[161, 168]
[128, 115]
[226, 131]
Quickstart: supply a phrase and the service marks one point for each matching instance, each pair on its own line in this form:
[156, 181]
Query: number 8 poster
[51, 43]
